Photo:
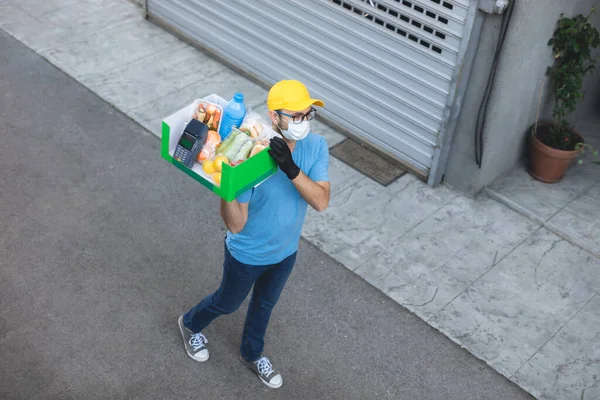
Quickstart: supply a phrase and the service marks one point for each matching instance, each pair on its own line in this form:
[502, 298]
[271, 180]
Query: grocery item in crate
[233, 115]
[234, 145]
[210, 114]
[191, 142]
[258, 147]
[210, 146]
[213, 168]
[253, 124]
[257, 127]
[234, 150]
[238, 146]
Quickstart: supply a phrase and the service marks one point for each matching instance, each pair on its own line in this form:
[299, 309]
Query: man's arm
[315, 188]
[315, 193]
[234, 214]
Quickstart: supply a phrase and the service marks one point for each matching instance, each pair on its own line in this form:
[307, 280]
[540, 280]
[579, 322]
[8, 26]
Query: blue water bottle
[233, 115]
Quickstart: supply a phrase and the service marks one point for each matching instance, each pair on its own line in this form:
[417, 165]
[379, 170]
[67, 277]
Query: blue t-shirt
[276, 211]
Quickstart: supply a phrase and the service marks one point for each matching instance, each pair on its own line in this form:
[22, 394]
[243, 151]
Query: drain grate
[367, 162]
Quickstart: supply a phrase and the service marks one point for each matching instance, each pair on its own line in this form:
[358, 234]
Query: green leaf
[572, 42]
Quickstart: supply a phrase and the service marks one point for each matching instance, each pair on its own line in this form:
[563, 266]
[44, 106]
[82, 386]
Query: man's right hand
[234, 214]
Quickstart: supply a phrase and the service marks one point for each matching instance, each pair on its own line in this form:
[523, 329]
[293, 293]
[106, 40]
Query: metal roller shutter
[384, 68]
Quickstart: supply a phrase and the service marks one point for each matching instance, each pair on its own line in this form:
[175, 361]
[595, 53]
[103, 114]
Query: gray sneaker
[195, 343]
[263, 368]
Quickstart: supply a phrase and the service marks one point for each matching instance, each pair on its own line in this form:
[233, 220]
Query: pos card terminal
[191, 142]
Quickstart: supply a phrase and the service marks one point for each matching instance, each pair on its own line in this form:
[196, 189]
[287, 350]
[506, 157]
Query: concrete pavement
[104, 244]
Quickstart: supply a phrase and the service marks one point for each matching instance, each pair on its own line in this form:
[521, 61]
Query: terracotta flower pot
[549, 164]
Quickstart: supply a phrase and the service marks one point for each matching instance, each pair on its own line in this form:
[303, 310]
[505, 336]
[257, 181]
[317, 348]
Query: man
[264, 227]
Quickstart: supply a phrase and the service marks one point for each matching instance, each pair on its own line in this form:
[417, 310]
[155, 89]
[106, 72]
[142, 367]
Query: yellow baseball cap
[290, 95]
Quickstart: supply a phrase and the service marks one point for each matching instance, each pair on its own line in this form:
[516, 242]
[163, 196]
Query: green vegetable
[235, 146]
[227, 142]
[246, 148]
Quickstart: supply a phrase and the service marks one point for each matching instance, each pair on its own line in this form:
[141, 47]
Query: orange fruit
[217, 178]
[209, 167]
[219, 160]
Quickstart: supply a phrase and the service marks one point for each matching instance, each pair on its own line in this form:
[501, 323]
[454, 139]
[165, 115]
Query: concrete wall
[512, 106]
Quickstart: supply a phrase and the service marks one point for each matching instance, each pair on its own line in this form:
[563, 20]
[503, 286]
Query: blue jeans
[238, 279]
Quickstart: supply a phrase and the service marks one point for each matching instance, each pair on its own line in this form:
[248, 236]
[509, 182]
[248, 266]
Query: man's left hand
[282, 155]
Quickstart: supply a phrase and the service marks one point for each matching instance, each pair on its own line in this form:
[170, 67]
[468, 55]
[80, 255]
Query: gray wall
[512, 106]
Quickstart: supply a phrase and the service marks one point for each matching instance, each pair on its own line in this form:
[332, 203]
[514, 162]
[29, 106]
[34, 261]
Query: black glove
[283, 157]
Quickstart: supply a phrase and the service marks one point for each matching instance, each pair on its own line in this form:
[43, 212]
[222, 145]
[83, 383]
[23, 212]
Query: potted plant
[555, 144]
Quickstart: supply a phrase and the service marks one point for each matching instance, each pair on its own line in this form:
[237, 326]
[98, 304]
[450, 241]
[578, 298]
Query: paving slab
[110, 49]
[18, 22]
[342, 176]
[366, 218]
[515, 308]
[568, 366]
[579, 221]
[441, 257]
[164, 72]
[40, 8]
[56, 25]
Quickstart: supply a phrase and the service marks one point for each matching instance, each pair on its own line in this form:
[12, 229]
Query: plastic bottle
[233, 115]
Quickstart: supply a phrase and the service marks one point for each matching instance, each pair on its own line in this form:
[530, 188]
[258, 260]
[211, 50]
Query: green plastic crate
[234, 180]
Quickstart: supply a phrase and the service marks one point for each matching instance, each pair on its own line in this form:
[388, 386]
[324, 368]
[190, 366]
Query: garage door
[384, 68]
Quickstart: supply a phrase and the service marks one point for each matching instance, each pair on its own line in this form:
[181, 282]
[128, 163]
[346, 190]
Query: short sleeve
[320, 169]
[245, 197]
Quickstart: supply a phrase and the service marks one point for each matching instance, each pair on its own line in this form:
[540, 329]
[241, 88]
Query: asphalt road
[103, 244]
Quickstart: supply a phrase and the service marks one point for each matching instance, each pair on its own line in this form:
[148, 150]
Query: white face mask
[296, 131]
